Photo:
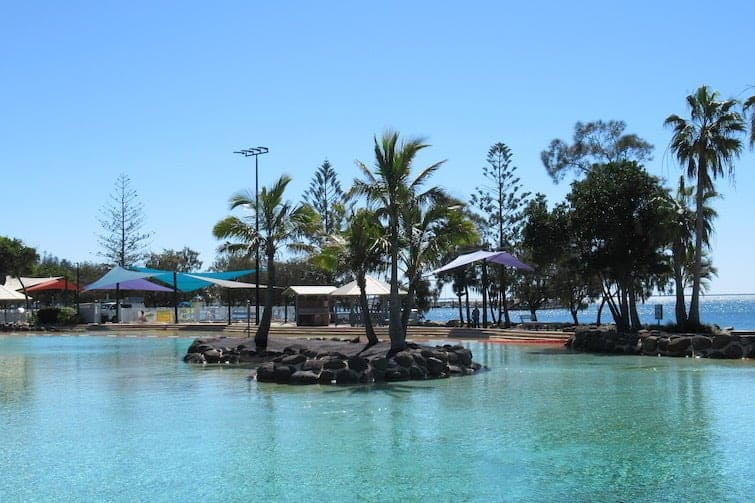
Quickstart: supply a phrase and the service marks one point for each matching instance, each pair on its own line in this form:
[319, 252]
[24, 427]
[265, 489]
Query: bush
[68, 316]
[47, 316]
[57, 316]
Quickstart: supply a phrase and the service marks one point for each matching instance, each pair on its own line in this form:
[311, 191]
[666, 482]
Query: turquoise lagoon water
[98, 418]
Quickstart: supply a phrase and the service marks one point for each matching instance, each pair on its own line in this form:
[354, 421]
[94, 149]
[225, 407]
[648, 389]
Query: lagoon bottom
[98, 418]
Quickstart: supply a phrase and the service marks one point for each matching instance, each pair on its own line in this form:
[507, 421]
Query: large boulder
[304, 377]
[404, 359]
[294, 359]
[266, 372]
[679, 346]
[436, 367]
[358, 364]
[283, 373]
[700, 342]
[733, 351]
[346, 376]
[212, 356]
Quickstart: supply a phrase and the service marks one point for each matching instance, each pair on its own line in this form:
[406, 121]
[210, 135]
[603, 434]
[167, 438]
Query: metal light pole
[256, 152]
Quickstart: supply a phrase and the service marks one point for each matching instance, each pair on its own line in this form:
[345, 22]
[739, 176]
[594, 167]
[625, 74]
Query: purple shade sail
[503, 258]
[134, 284]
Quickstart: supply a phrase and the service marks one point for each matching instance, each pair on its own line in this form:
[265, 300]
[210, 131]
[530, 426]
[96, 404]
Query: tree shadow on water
[394, 389]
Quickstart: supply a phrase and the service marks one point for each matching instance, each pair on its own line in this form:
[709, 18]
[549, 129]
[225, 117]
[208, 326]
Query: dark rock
[721, 341]
[375, 374]
[194, 358]
[404, 359]
[332, 354]
[434, 353]
[212, 356]
[294, 349]
[303, 377]
[266, 372]
[379, 363]
[701, 342]
[397, 374]
[283, 373]
[333, 363]
[679, 345]
[246, 355]
[436, 367]
[313, 365]
[327, 376]
[417, 373]
[229, 358]
[455, 369]
[419, 360]
[346, 376]
[294, 359]
[733, 351]
[464, 355]
[358, 364]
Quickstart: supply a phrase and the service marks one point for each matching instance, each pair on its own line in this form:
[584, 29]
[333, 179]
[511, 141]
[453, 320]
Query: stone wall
[657, 343]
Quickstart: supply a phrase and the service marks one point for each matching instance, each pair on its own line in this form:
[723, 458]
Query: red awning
[56, 284]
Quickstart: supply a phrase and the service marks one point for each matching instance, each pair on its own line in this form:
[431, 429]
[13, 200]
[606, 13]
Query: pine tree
[122, 218]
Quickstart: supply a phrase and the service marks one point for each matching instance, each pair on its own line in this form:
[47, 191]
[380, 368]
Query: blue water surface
[726, 311]
[97, 418]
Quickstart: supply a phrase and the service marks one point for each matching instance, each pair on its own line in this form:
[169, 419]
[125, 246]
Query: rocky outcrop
[657, 343]
[335, 362]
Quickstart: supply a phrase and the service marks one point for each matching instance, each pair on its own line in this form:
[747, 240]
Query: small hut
[312, 304]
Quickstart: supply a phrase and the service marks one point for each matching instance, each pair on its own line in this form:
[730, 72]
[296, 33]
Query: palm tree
[390, 187]
[682, 225]
[280, 223]
[360, 249]
[430, 231]
[748, 104]
[707, 144]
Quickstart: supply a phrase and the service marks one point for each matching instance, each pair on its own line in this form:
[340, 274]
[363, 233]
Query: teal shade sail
[188, 282]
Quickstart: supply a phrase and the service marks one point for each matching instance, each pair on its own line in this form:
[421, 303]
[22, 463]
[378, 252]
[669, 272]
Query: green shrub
[68, 316]
[57, 316]
[47, 316]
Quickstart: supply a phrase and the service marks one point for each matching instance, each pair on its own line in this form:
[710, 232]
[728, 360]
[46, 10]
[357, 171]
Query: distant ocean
[737, 311]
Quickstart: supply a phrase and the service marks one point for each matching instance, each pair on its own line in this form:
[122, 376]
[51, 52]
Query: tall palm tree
[430, 231]
[390, 187]
[682, 232]
[281, 223]
[707, 144]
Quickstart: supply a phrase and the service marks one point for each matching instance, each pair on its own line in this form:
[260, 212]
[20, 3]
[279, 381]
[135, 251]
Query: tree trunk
[502, 299]
[395, 331]
[573, 310]
[466, 304]
[680, 306]
[369, 329]
[694, 304]
[263, 329]
[407, 310]
[634, 317]
[461, 313]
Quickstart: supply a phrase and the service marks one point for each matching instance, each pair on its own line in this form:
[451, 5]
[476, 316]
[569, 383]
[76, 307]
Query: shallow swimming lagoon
[98, 418]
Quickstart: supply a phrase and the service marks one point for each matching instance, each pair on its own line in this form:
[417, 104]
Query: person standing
[476, 317]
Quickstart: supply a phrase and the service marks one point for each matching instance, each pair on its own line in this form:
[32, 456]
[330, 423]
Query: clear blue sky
[166, 91]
